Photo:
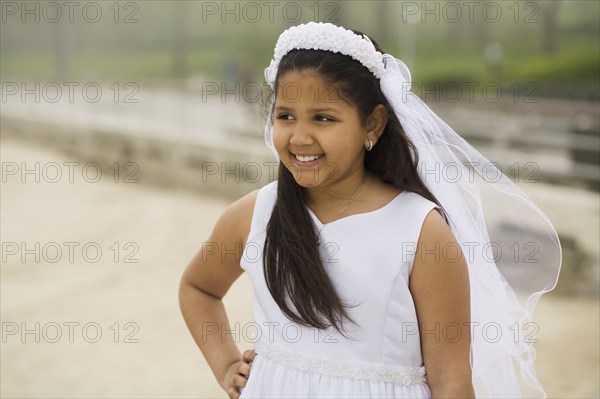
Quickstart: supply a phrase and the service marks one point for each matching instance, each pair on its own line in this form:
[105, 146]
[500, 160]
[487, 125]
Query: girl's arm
[439, 284]
[205, 282]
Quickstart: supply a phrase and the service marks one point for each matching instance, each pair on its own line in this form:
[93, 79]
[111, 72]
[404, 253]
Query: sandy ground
[111, 327]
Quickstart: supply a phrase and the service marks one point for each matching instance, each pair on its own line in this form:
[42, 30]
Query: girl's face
[318, 135]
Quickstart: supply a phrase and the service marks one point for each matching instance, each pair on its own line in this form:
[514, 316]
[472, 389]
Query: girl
[371, 265]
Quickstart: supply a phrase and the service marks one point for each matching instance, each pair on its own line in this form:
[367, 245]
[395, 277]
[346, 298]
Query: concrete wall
[208, 167]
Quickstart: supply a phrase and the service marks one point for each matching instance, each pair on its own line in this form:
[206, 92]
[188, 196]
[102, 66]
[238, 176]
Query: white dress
[369, 257]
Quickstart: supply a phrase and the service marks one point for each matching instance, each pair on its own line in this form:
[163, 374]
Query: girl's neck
[333, 197]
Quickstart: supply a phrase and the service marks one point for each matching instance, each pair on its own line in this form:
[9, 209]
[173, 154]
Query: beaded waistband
[341, 368]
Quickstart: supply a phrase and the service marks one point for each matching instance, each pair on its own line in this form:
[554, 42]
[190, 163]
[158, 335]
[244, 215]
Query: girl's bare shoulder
[237, 218]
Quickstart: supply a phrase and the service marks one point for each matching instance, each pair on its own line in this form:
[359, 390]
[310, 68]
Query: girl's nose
[301, 136]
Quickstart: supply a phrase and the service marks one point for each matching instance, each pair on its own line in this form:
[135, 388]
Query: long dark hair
[292, 265]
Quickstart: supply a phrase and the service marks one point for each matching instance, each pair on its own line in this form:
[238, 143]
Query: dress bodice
[369, 258]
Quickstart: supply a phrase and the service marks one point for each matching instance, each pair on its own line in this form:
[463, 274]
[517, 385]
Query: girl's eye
[323, 118]
[285, 117]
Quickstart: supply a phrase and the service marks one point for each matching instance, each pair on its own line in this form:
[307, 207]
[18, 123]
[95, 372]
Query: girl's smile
[306, 161]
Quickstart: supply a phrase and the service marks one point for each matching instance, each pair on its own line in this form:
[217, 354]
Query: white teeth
[308, 158]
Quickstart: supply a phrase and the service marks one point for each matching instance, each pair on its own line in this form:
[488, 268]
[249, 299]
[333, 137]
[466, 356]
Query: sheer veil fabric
[511, 247]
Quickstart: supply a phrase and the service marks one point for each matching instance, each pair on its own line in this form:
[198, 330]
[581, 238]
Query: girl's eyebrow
[325, 109]
[315, 110]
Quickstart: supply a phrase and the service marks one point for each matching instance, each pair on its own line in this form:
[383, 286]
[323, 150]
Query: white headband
[329, 37]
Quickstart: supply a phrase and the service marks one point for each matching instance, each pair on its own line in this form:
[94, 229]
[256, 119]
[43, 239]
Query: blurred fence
[555, 142]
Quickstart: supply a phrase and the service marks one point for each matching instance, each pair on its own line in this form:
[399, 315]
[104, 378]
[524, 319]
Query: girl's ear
[376, 123]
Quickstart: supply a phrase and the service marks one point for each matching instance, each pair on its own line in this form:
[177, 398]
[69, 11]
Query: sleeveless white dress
[368, 257]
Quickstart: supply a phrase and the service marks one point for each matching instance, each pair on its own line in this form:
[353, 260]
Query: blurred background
[127, 127]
